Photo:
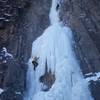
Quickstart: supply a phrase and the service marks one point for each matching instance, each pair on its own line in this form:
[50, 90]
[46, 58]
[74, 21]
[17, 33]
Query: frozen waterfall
[53, 56]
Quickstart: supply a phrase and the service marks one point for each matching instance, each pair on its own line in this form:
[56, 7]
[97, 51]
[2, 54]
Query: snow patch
[1, 91]
[4, 50]
[18, 93]
[95, 77]
[4, 55]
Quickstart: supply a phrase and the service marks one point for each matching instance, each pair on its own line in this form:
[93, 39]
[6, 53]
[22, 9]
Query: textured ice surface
[54, 46]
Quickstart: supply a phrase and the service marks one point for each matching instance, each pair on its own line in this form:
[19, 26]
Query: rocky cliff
[21, 21]
[83, 17]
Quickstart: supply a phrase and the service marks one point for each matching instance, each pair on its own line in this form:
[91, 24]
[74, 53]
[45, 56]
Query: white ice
[55, 47]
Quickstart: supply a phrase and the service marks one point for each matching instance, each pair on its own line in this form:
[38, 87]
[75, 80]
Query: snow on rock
[7, 14]
[1, 91]
[18, 93]
[2, 18]
[94, 77]
[54, 48]
[4, 55]
[4, 50]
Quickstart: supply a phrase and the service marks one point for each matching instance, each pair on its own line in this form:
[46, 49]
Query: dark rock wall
[83, 16]
[25, 21]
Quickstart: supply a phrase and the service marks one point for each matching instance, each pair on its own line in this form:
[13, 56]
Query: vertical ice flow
[54, 46]
[53, 15]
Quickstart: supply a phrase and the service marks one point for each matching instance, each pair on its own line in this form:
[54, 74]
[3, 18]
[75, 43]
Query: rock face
[83, 16]
[47, 79]
[21, 22]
